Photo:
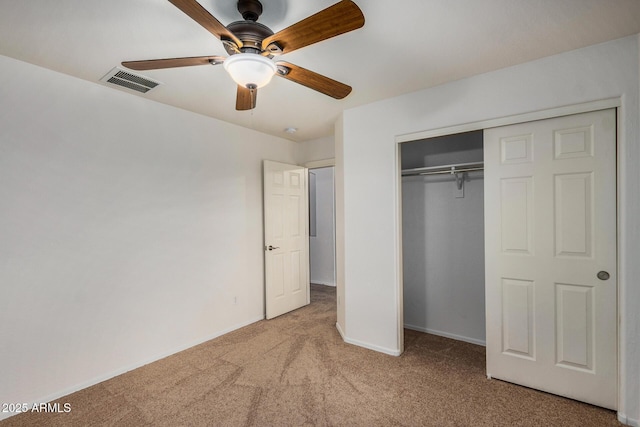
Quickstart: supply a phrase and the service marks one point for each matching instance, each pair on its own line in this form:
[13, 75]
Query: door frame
[510, 120]
[317, 164]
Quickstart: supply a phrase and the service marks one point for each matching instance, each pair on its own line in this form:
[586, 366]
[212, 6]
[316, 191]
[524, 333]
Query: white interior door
[550, 224]
[286, 238]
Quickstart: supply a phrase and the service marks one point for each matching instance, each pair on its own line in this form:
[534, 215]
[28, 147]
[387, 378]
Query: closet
[443, 236]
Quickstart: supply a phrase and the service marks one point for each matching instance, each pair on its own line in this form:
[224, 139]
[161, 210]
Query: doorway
[299, 233]
[322, 242]
[443, 236]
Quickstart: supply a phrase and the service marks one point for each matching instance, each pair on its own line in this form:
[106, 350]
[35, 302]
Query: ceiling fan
[251, 45]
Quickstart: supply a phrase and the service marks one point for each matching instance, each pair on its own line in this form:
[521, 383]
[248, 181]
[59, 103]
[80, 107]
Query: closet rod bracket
[459, 176]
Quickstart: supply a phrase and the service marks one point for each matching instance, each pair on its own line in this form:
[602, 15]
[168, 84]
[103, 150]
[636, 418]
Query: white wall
[322, 254]
[128, 228]
[443, 241]
[367, 157]
[315, 149]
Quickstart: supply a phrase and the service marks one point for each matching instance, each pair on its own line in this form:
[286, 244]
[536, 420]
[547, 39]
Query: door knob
[272, 247]
[603, 275]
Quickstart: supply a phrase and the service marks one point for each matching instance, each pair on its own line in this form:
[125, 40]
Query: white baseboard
[373, 347]
[104, 377]
[340, 331]
[366, 345]
[446, 335]
[628, 421]
[319, 282]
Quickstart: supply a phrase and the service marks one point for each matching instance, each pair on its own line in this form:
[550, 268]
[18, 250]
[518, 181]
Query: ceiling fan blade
[313, 80]
[199, 14]
[246, 98]
[340, 18]
[155, 64]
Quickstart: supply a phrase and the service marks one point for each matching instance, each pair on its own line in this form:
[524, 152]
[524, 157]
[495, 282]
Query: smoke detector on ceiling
[137, 82]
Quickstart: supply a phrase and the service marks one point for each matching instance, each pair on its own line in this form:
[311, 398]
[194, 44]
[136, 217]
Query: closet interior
[443, 236]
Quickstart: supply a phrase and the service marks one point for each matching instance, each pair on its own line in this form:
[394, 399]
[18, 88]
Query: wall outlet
[235, 300]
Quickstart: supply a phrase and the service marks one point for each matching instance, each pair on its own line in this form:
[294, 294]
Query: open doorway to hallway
[322, 241]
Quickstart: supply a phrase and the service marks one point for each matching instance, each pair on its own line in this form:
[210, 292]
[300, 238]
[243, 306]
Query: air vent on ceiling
[126, 79]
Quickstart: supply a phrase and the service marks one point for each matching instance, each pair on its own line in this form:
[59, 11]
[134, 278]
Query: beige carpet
[296, 371]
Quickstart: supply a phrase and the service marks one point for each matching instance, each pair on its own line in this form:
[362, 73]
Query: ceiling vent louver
[126, 79]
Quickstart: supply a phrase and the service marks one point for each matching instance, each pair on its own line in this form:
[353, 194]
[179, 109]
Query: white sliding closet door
[550, 224]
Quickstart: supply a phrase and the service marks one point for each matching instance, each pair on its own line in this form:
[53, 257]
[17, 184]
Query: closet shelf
[445, 169]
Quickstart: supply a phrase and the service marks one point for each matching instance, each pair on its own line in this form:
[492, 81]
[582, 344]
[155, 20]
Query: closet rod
[450, 169]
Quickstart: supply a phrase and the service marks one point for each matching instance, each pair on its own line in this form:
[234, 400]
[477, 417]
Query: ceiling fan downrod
[250, 9]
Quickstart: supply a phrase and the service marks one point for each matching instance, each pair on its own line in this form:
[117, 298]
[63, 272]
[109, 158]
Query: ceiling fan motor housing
[251, 34]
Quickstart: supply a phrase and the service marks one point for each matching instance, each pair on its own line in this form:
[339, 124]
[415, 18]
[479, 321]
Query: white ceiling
[404, 46]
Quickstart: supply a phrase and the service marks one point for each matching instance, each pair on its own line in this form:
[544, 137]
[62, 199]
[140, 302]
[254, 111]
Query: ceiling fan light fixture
[250, 70]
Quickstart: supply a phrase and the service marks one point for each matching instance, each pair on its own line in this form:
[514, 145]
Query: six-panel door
[286, 238]
[550, 227]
